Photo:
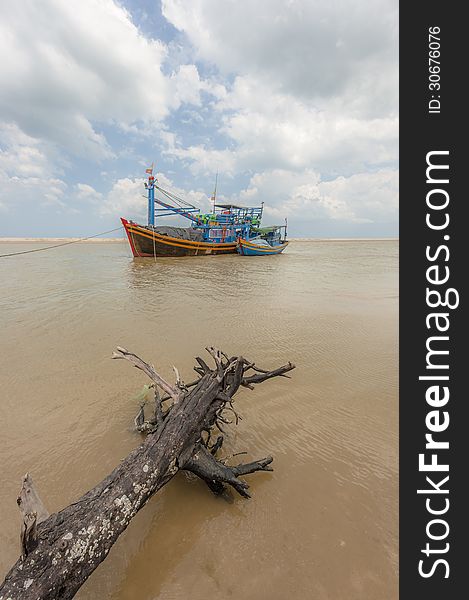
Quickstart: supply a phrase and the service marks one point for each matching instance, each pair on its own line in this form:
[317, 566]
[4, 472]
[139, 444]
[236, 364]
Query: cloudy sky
[293, 102]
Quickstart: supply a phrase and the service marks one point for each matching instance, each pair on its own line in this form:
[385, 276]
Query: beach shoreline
[13, 240]
[22, 240]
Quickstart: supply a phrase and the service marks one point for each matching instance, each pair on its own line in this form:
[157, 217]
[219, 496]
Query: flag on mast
[149, 170]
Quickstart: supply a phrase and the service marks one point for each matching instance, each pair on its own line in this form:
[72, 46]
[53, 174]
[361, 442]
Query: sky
[293, 102]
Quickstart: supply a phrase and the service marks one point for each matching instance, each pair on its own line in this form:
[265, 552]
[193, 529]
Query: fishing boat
[266, 241]
[212, 233]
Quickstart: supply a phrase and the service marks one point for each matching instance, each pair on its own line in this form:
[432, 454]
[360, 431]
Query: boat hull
[246, 248]
[144, 242]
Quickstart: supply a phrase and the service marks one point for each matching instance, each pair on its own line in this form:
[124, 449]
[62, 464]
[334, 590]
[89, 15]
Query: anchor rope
[62, 244]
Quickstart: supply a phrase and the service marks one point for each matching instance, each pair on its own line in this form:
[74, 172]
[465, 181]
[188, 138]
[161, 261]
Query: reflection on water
[324, 523]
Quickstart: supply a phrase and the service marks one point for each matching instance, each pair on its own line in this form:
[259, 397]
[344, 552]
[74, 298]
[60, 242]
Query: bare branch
[237, 378]
[203, 464]
[33, 511]
[204, 366]
[149, 370]
[252, 467]
[262, 376]
[217, 445]
[237, 416]
[140, 418]
[218, 358]
[179, 382]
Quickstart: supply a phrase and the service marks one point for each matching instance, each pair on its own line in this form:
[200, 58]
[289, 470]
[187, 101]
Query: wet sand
[324, 524]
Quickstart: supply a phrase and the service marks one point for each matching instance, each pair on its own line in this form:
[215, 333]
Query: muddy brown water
[324, 524]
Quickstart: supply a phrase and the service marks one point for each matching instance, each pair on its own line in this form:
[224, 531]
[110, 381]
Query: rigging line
[173, 196]
[59, 245]
[174, 200]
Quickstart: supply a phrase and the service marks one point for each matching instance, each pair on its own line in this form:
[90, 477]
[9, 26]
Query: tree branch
[203, 464]
[149, 370]
[264, 375]
[33, 511]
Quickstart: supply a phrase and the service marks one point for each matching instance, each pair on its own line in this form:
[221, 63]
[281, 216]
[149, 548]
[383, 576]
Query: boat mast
[214, 195]
[151, 196]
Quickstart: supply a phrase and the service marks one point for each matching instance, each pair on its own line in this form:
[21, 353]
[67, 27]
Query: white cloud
[284, 132]
[370, 197]
[21, 154]
[87, 193]
[300, 96]
[315, 85]
[306, 48]
[312, 110]
[68, 70]
[24, 192]
[187, 83]
[74, 67]
[360, 198]
[127, 198]
[204, 161]
[188, 86]
[26, 173]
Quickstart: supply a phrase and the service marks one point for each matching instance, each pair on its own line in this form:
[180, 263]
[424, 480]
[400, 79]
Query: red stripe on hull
[132, 247]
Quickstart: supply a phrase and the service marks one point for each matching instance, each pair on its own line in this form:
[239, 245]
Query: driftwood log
[60, 551]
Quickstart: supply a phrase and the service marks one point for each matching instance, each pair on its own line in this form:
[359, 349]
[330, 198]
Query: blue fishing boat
[216, 232]
[266, 241]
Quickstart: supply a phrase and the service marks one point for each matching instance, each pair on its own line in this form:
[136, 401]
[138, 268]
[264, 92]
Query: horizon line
[12, 239]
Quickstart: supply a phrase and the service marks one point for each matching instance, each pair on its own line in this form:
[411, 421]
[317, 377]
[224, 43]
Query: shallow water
[324, 524]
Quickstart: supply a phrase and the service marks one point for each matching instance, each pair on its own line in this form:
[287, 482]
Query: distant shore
[21, 240]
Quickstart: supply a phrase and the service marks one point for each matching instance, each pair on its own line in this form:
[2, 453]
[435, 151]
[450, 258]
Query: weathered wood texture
[60, 551]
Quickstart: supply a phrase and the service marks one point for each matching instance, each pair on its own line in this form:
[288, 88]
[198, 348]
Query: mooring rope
[59, 245]
[154, 248]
